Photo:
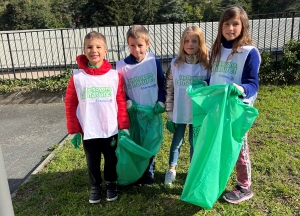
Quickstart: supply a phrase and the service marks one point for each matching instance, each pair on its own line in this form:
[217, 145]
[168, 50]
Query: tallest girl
[235, 61]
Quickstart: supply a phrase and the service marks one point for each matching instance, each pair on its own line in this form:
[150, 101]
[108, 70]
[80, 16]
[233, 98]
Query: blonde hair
[243, 39]
[138, 31]
[95, 35]
[202, 53]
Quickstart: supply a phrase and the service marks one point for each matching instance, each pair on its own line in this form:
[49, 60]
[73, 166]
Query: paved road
[27, 131]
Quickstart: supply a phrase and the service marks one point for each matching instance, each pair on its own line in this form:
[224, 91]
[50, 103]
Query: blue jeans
[177, 141]
[150, 169]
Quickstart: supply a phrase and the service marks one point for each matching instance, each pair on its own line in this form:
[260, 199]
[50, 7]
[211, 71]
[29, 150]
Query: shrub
[267, 72]
[51, 84]
[284, 71]
[290, 63]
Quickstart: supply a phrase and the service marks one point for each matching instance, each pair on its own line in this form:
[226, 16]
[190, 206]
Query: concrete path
[27, 131]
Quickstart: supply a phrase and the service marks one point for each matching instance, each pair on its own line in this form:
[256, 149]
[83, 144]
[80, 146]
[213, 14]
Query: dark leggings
[93, 149]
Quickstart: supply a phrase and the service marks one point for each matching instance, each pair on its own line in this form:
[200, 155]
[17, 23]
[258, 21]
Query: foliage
[290, 62]
[193, 13]
[267, 71]
[61, 11]
[41, 14]
[246, 4]
[62, 188]
[52, 84]
[213, 10]
[285, 70]
[272, 6]
[146, 11]
[172, 11]
[22, 14]
[194, 10]
[107, 12]
[14, 16]
[3, 6]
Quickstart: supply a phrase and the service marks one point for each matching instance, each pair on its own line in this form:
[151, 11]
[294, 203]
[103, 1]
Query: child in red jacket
[96, 108]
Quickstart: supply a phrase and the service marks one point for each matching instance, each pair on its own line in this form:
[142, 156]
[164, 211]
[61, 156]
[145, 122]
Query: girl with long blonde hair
[190, 65]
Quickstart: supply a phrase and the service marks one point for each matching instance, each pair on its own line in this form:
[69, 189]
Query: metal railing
[32, 54]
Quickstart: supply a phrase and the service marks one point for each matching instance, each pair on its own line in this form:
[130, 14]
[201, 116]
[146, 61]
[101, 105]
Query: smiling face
[191, 44]
[95, 50]
[232, 28]
[138, 47]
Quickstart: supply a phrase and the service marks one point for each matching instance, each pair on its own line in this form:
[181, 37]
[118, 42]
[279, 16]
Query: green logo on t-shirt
[96, 92]
[187, 80]
[140, 80]
[225, 67]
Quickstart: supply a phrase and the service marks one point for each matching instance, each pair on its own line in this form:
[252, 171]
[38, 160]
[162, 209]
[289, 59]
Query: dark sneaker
[148, 180]
[239, 194]
[95, 195]
[111, 191]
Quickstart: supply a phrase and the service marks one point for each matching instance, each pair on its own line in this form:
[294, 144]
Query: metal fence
[32, 54]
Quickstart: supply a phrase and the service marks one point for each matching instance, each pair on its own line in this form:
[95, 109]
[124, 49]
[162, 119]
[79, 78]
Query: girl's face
[95, 50]
[232, 28]
[191, 44]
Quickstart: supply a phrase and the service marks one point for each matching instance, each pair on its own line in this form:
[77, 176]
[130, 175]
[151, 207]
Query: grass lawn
[62, 188]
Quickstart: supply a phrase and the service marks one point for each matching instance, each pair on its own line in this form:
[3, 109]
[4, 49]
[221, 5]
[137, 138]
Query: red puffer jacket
[71, 100]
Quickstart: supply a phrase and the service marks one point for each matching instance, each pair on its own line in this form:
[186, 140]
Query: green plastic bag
[146, 133]
[132, 161]
[220, 122]
[146, 128]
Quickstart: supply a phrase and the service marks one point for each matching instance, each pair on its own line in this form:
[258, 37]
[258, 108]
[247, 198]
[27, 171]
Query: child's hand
[76, 140]
[131, 106]
[123, 132]
[199, 82]
[235, 90]
[171, 126]
[159, 107]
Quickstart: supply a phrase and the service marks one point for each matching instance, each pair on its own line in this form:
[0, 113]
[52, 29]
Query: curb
[46, 161]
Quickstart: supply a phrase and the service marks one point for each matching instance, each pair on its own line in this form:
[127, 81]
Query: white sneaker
[170, 177]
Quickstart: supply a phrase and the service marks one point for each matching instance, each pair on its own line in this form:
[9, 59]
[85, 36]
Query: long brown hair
[202, 53]
[243, 39]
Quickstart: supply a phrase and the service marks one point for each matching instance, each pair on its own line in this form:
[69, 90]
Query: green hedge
[50, 84]
[284, 71]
